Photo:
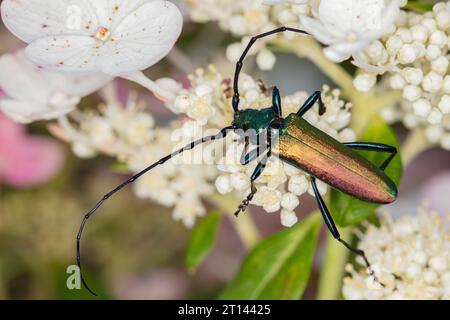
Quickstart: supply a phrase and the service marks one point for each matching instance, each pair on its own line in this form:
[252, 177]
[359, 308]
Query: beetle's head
[253, 119]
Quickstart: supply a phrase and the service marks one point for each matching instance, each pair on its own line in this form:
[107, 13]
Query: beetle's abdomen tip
[391, 195]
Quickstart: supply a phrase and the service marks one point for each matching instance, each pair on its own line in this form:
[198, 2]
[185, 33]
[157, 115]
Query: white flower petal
[37, 94]
[74, 54]
[26, 112]
[33, 19]
[315, 28]
[143, 38]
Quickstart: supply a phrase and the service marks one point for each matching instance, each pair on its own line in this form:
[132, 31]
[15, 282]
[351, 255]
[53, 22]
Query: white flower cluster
[208, 103]
[129, 134]
[416, 58]
[248, 18]
[345, 26]
[411, 256]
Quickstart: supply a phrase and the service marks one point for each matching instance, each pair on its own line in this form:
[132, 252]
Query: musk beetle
[299, 144]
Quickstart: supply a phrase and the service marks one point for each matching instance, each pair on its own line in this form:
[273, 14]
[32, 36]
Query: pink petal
[29, 161]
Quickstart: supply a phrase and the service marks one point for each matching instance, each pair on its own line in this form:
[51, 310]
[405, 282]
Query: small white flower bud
[298, 184]
[432, 82]
[446, 85]
[289, 201]
[445, 141]
[288, 218]
[412, 93]
[422, 107]
[410, 121]
[439, 264]
[419, 33]
[429, 23]
[438, 7]
[321, 186]
[413, 270]
[365, 81]
[413, 75]
[405, 35]
[394, 44]
[240, 181]
[237, 25]
[444, 104]
[438, 38]
[421, 258]
[433, 52]
[389, 114]
[397, 82]
[435, 117]
[223, 184]
[234, 52]
[347, 135]
[191, 129]
[290, 170]
[443, 19]
[434, 133]
[420, 48]
[181, 103]
[286, 16]
[407, 54]
[203, 90]
[430, 276]
[266, 60]
[440, 65]
[375, 51]
[83, 150]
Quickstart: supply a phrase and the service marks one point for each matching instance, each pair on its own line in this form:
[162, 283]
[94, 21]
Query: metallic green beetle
[299, 144]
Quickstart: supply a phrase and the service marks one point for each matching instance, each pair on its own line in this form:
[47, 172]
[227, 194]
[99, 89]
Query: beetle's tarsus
[243, 206]
[362, 254]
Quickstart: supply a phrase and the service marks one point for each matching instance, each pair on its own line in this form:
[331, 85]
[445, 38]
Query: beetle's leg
[310, 102]
[334, 231]
[377, 147]
[276, 102]
[240, 63]
[252, 155]
[256, 173]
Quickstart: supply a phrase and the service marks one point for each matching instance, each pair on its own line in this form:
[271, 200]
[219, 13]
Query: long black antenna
[220, 135]
[240, 63]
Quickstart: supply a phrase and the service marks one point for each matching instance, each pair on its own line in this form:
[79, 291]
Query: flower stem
[306, 47]
[367, 105]
[415, 143]
[143, 80]
[332, 272]
[244, 224]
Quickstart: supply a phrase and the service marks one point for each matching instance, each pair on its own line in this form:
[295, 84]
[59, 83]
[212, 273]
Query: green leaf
[279, 267]
[202, 240]
[419, 6]
[347, 210]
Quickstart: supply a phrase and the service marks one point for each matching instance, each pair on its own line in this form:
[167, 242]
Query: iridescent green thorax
[254, 119]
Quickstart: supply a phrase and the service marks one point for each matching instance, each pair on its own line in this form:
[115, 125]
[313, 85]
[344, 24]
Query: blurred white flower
[129, 134]
[414, 57]
[411, 256]
[33, 93]
[119, 38]
[348, 26]
[115, 37]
